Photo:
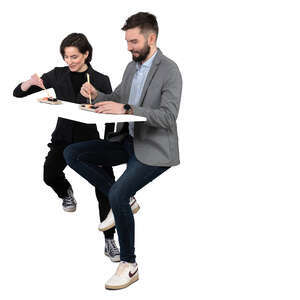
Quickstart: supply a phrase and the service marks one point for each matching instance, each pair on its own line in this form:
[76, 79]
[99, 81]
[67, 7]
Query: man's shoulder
[130, 66]
[167, 68]
[168, 63]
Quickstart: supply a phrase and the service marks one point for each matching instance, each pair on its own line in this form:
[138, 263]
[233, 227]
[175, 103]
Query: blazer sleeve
[165, 116]
[114, 96]
[48, 79]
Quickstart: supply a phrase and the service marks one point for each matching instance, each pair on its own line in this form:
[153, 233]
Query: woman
[67, 81]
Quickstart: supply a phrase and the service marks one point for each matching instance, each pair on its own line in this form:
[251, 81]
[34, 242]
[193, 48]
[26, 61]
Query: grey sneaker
[111, 250]
[69, 202]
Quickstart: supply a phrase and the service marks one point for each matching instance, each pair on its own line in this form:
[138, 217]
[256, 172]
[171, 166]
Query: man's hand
[110, 107]
[87, 89]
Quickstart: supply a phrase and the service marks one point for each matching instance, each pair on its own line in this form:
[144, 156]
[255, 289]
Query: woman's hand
[34, 80]
[110, 107]
[87, 89]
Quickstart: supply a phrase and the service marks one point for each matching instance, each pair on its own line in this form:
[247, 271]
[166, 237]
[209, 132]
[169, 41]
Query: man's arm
[114, 96]
[165, 116]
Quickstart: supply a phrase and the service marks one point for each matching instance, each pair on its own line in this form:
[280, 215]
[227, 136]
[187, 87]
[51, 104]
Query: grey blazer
[155, 140]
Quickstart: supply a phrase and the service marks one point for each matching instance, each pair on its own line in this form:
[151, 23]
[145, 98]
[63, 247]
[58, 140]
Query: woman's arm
[33, 85]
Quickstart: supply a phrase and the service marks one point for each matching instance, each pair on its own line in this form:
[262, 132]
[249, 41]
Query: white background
[222, 225]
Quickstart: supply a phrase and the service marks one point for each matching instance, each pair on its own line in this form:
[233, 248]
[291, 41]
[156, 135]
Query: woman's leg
[53, 170]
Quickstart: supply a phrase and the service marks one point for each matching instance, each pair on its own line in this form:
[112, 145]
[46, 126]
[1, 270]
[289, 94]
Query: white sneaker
[126, 274]
[109, 222]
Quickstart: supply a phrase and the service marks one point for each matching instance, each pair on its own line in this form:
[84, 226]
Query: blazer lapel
[129, 82]
[150, 75]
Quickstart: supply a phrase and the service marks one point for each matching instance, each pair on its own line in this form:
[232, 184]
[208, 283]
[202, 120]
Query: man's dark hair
[79, 41]
[143, 20]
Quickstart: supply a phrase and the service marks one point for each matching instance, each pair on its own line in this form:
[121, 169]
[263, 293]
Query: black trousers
[55, 164]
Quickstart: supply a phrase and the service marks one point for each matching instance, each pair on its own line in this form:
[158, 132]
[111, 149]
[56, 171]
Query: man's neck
[152, 51]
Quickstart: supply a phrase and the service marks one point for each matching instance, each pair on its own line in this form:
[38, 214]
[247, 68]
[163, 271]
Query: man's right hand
[87, 89]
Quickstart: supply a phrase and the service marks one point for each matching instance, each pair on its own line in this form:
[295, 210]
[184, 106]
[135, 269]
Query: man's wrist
[128, 109]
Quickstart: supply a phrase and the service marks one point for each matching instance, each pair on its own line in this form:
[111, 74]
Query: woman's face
[75, 60]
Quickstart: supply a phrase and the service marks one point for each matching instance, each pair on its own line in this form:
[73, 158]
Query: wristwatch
[128, 109]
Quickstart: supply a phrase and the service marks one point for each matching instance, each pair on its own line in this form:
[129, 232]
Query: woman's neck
[82, 69]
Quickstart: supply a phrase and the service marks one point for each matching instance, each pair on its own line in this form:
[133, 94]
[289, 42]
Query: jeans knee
[69, 154]
[118, 199]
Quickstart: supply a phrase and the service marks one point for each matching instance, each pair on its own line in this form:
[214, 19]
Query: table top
[72, 111]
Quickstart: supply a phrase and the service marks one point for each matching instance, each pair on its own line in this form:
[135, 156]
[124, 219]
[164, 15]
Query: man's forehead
[133, 33]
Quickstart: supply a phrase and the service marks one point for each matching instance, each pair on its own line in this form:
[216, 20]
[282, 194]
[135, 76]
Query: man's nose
[129, 47]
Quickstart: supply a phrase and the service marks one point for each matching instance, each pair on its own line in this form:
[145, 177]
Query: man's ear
[152, 38]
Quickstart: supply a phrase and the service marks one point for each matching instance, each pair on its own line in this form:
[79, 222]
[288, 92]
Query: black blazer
[59, 79]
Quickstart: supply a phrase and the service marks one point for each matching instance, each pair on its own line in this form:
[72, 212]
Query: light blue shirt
[137, 85]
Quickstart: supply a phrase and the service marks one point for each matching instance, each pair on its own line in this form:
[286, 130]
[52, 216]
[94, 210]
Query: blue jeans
[88, 159]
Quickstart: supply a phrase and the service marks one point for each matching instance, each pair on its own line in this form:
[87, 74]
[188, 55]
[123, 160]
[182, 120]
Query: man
[150, 87]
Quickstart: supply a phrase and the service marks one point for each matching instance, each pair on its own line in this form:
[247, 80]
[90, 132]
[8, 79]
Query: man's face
[137, 44]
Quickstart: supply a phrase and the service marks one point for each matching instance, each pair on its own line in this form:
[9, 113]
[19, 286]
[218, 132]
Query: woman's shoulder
[99, 75]
[57, 72]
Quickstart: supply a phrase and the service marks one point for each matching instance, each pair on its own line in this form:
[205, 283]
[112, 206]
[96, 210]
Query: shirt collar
[148, 63]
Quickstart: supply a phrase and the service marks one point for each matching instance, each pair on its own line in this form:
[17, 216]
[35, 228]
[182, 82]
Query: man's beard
[142, 53]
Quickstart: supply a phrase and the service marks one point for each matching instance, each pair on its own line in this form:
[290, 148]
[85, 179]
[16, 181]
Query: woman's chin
[73, 69]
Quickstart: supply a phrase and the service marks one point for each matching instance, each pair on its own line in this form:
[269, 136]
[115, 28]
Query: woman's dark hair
[143, 20]
[79, 41]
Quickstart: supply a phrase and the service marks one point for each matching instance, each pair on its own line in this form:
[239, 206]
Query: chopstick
[44, 86]
[88, 80]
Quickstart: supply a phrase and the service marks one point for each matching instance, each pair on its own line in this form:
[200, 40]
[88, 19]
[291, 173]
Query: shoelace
[68, 201]
[113, 247]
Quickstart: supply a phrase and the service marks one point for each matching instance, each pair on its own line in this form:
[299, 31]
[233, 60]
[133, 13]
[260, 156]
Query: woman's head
[76, 51]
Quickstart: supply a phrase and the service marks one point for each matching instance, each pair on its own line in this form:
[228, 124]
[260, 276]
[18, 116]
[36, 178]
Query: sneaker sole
[112, 259]
[123, 286]
[69, 209]
[113, 224]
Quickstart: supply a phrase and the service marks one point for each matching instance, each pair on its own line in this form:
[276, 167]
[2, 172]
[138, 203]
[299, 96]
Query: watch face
[127, 107]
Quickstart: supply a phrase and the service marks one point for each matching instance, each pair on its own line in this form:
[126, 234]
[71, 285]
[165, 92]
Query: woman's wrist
[26, 85]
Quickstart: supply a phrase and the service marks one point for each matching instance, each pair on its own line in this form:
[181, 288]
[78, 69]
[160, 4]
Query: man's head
[141, 31]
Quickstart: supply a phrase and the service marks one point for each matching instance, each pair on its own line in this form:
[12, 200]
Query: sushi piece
[89, 107]
[51, 99]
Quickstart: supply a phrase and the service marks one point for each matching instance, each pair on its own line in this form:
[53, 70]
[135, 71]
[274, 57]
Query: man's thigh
[136, 176]
[99, 152]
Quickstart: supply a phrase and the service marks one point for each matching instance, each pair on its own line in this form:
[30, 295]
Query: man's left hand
[109, 107]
